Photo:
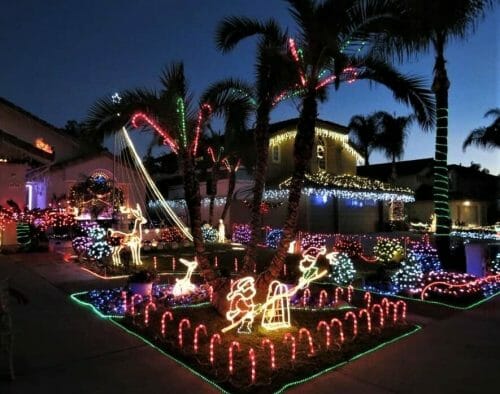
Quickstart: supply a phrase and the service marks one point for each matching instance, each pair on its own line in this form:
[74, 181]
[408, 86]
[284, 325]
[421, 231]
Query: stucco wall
[12, 183]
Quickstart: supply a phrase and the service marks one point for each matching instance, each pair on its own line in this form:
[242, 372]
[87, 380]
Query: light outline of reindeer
[184, 286]
[132, 240]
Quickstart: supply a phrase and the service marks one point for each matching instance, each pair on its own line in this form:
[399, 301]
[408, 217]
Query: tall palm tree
[363, 134]
[330, 36]
[171, 113]
[273, 71]
[430, 24]
[486, 137]
[393, 131]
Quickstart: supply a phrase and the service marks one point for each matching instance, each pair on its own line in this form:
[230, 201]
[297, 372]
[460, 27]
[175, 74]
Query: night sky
[58, 57]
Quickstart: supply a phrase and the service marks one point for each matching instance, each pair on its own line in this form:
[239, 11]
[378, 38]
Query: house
[335, 198]
[40, 163]
[474, 193]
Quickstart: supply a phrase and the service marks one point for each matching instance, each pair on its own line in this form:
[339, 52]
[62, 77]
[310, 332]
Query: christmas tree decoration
[210, 234]
[342, 268]
[348, 245]
[409, 276]
[426, 254]
[241, 233]
[387, 250]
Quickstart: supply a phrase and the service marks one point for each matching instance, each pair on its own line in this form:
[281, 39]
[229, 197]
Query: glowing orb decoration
[276, 314]
[184, 286]
[130, 240]
[242, 308]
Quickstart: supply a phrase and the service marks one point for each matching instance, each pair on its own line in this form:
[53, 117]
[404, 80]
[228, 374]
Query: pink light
[155, 265]
[216, 262]
[350, 291]
[226, 164]
[368, 298]
[338, 291]
[323, 295]
[306, 332]
[163, 321]
[295, 56]
[203, 113]
[124, 301]
[325, 82]
[251, 355]
[146, 312]
[305, 297]
[401, 304]
[368, 318]
[489, 278]
[380, 314]
[284, 269]
[325, 325]
[200, 327]
[211, 293]
[235, 264]
[166, 137]
[132, 303]
[290, 338]
[267, 341]
[213, 339]
[337, 323]
[352, 315]
[211, 154]
[234, 344]
[182, 323]
[173, 263]
[385, 305]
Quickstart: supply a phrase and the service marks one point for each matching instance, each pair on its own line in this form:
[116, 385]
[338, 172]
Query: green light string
[441, 181]
[182, 120]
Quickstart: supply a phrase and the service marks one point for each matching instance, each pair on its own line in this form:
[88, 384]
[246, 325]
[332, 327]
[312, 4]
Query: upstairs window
[275, 153]
[321, 154]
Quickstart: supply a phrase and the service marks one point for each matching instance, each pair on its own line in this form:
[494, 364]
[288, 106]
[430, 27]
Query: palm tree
[486, 137]
[330, 34]
[393, 132]
[421, 25]
[171, 113]
[363, 130]
[273, 71]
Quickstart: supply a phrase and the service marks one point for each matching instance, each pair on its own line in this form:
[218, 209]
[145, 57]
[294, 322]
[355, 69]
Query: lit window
[321, 154]
[275, 151]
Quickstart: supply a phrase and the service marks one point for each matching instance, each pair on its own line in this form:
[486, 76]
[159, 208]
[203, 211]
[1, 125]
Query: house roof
[28, 114]
[276, 128]
[31, 150]
[383, 171]
[351, 186]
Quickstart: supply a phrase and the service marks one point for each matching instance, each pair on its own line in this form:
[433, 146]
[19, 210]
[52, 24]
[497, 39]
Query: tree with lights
[178, 123]
[417, 26]
[388, 250]
[272, 69]
[409, 276]
[342, 268]
[486, 137]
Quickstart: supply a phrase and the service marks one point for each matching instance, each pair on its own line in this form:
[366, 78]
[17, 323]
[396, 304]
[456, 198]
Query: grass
[267, 380]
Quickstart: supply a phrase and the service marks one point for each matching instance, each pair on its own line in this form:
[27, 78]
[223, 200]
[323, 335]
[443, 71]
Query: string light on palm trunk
[181, 111]
[203, 113]
[296, 58]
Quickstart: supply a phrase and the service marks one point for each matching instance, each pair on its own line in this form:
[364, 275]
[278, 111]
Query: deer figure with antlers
[132, 240]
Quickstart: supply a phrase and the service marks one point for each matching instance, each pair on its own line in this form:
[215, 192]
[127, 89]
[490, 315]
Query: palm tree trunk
[440, 88]
[193, 202]
[230, 192]
[213, 192]
[367, 162]
[262, 150]
[302, 153]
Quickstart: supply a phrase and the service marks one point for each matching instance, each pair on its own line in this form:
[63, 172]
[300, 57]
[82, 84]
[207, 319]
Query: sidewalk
[61, 348]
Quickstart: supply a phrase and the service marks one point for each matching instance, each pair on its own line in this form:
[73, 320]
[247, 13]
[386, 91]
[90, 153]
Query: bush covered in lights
[426, 254]
[99, 250]
[388, 250]
[308, 240]
[409, 276]
[241, 233]
[350, 246]
[94, 245]
[495, 264]
[342, 269]
[209, 233]
[274, 238]
[172, 234]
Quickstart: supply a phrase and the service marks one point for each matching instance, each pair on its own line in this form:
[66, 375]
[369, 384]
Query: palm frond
[410, 90]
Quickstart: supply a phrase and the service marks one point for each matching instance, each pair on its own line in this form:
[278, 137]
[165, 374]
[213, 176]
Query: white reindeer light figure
[184, 286]
[131, 240]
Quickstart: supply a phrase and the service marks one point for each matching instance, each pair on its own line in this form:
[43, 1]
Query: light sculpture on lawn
[130, 240]
[185, 286]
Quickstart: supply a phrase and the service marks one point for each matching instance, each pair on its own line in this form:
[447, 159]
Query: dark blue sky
[57, 57]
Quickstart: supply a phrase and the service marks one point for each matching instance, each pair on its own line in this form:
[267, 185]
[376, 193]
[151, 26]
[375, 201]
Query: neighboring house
[335, 199]
[40, 163]
[474, 193]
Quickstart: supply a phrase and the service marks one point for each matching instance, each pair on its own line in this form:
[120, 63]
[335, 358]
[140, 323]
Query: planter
[142, 289]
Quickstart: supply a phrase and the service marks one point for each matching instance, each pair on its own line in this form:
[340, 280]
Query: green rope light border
[212, 383]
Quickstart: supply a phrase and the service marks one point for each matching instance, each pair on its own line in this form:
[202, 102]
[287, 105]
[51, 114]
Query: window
[321, 154]
[276, 154]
